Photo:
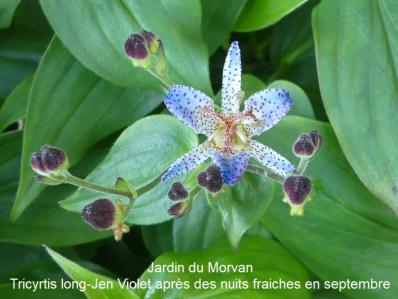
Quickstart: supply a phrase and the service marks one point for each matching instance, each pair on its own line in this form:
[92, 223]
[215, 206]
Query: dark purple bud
[135, 47]
[203, 179]
[297, 188]
[53, 158]
[316, 138]
[37, 164]
[148, 36]
[100, 214]
[178, 192]
[303, 147]
[215, 180]
[180, 209]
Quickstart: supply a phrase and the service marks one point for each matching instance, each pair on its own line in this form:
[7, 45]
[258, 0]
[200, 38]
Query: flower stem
[266, 172]
[163, 81]
[302, 166]
[73, 180]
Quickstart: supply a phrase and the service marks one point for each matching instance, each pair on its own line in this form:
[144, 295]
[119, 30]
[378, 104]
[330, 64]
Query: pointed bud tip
[178, 192]
[297, 188]
[100, 214]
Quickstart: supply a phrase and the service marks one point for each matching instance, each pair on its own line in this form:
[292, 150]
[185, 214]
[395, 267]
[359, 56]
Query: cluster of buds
[49, 163]
[104, 214]
[179, 193]
[210, 179]
[146, 50]
[297, 187]
[307, 144]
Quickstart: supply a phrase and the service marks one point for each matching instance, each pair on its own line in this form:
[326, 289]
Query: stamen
[208, 111]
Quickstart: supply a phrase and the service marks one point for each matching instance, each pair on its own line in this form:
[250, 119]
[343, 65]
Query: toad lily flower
[229, 144]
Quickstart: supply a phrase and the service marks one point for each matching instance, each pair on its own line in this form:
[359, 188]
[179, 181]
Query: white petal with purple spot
[187, 162]
[187, 104]
[231, 81]
[269, 106]
[270, 158]
[231, 167]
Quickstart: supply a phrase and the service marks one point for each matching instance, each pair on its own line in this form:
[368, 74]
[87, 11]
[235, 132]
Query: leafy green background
[65, 80]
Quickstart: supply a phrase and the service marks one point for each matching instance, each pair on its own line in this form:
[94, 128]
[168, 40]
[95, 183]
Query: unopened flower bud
[54, 159]
[178, 192]
[296, 189]
[210, 179]
[316, 138]
[180, 209]
[37, 164]
[152, 42]
[135, 47]
[304, 147]
[100, 214]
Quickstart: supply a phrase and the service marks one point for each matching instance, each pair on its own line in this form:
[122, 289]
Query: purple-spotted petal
[231, 81]
[187, 162]
[231, 167]
[270, 158]
[187, 104]
[269, 106]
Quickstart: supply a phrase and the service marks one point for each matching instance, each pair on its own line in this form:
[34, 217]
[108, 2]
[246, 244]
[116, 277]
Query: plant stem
[73, 180]
[266, 172]
[165, 84]
[302, 166]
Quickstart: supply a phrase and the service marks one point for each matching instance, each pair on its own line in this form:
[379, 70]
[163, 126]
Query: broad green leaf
[199, 229]
[72, 108]
[44, 221]
[301, 103]
[259, 14]
[7, 9]
[78, 273]
[330, 295]
[95, 32]
[14, 107]
[218, 19]
[180, 30]
[7, 291]
[158, 238]
[268, 259]
[344, 227]
[356, 42]
[242, 205]
[141, 153]
[21, 45]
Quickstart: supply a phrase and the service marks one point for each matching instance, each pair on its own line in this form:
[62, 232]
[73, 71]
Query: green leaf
[199, 229]
[21, 45]
[242, 205]
[141, 153]
[95, 32]
[356, 42]
[259, 14]
[7, 9]
[78, 273]
[268, 259]
[84, 109]
[344, 225]
[123, 185]
[158, 238]
[301, 103]
[14, 107]
[218, 19]
[44, 221]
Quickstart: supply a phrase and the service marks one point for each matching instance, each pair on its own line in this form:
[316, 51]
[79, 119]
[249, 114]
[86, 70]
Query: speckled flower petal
[231, 167]
[187, 162]
[187, 104]
[270, 158]
[269, 106]
[231, 81]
